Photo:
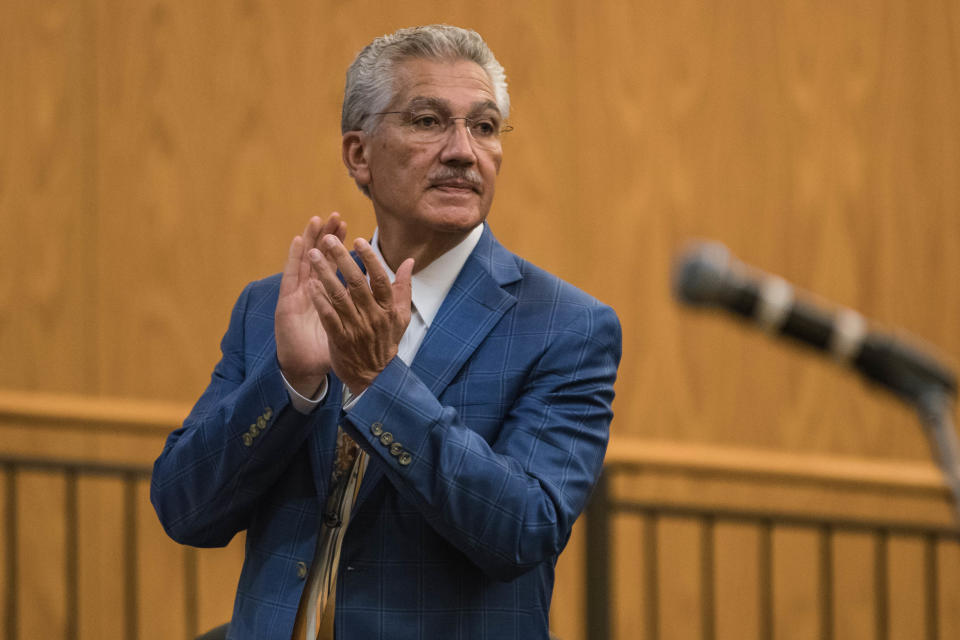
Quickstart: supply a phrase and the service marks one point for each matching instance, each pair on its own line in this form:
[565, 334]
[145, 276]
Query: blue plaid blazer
[501, 424]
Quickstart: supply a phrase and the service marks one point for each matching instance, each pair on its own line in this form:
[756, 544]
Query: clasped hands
[322, 324]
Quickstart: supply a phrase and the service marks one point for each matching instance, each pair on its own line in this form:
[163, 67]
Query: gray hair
[370, 78]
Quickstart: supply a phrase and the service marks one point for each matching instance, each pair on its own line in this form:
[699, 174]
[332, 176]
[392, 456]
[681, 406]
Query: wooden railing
[83, 555]
[910, 506]
[71, 473]
[680, 541]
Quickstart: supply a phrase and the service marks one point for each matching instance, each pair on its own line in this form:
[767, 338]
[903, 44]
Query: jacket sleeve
[240, 436]
[508, 504]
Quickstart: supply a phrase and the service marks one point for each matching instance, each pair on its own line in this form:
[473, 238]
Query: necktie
[316, 607]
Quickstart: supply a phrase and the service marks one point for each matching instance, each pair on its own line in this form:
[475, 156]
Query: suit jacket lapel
[474, 305]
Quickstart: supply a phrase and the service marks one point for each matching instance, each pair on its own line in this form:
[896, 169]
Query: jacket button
[268, 413]
[247, 439]
[301, 570]
[396, 449]
[262, 422]
[376, 428]
[386, 438]
[405, 458]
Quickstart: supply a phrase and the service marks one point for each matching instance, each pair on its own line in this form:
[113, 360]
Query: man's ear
[355, 156]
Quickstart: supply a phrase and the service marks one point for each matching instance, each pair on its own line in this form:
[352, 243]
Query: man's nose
[458, 147]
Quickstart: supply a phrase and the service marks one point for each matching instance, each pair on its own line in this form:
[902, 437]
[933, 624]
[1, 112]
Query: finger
[377, 275]
[312, 230]
[292, 273]
[332, 224]
[354, 277]
[329, 318]
[402, 290]
[336, 227]
[340, 297]
[310, 235]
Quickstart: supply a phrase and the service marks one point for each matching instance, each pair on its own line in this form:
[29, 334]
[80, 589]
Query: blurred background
[156, 156]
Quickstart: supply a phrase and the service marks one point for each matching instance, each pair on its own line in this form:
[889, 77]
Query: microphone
[706, 275]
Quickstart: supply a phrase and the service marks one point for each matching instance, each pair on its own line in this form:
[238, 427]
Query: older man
[447, 400]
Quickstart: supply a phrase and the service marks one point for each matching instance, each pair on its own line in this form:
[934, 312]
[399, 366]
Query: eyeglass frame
[467, 122]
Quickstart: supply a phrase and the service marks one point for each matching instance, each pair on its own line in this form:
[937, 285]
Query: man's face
[444, 185]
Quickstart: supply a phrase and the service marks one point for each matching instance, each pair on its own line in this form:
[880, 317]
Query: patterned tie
[348, 468]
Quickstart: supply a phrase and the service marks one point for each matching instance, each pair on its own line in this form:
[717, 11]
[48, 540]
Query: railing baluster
[10, 604]
[598, 562]
[932, 595]
[72, 552]
[191, 594]
[881, 584]
[130, 609]
[765, 578]
[707, 576]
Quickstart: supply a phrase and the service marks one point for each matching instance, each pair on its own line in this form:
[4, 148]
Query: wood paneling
[155, 156]
[48, 231]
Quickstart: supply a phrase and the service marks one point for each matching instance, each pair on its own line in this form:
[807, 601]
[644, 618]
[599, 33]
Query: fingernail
[314, 255]
[329, 242]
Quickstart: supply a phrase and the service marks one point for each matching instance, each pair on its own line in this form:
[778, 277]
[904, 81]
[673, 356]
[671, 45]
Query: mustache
[465, 174]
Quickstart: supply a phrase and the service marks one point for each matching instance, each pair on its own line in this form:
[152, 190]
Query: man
[476, 386]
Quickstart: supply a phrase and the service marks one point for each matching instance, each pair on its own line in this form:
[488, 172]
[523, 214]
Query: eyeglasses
[428, 127]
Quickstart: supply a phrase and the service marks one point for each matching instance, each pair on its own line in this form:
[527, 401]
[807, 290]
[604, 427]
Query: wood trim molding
[65, 411]
[778, 466]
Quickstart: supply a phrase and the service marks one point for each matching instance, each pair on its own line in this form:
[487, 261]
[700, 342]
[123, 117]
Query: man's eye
[484, 128]
[425, 122]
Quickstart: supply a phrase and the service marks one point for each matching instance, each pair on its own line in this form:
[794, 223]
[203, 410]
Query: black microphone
[706, 275]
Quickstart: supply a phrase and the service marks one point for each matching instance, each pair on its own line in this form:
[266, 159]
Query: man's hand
[363, 322]
[302, 348]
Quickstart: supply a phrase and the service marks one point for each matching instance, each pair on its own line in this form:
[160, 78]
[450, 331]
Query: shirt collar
[430, 285]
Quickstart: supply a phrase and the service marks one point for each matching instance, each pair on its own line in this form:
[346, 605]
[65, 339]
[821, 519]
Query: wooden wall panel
[48, 235]
[158, 156]
[155, 157]
[766, 126]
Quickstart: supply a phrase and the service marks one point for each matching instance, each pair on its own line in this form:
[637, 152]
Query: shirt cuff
[349, 400]
[302, 403]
